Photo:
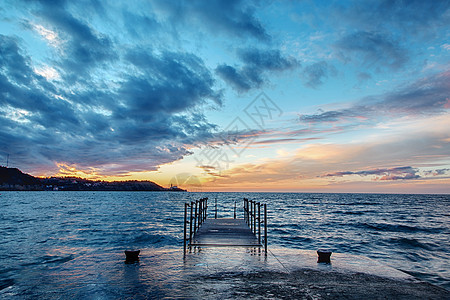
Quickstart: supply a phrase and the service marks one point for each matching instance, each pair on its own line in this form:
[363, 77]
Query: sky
[287, 96]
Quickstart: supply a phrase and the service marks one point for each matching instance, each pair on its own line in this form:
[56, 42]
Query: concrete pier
[221, 273]
[245, 272]
[225, 232]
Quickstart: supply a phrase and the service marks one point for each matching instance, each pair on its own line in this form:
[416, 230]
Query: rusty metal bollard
[132, 256]
[324, 256]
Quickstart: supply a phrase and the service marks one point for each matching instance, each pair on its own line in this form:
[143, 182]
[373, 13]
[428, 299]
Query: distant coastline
[12, 179]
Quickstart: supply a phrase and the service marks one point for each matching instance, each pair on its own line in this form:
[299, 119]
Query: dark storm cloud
[22, 89]
[398, 173]
[12, 63]
[414, 17]
[236, 18]
[236, 78]
[377, 39]
[314, 74]
[329, 116]
[271, 60]
[257, 62]
[428, 95]
[147, 119]
[86, 49]
[171, 82]
[138, 25]
[423, 97]
[374, 49]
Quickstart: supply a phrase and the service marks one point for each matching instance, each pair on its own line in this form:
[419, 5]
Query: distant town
[12, 179]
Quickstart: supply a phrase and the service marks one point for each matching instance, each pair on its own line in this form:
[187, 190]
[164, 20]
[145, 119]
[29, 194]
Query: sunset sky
[307, 96]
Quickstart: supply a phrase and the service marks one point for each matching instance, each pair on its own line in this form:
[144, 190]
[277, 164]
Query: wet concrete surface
[295, 274]
[221, 273]
[224, 232]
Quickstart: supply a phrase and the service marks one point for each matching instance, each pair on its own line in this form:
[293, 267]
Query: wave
[299, 239]
[398, 228]
[4, 283]
[359, 203]
[342, 212]
[144, 238]
[49, 259]
[411, 243]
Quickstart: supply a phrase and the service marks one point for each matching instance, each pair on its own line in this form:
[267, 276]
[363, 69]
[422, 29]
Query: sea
[42, 232]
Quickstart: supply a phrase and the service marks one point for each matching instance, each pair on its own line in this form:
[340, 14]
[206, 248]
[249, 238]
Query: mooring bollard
[132, 256]
[324, 256]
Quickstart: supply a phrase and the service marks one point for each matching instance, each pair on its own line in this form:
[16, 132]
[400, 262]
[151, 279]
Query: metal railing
[215, 209]
[198, 214]
[252, 216]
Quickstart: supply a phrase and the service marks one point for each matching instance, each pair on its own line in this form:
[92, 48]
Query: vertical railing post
[246, 210]
[200, 213]
[191, 223]
[205, 213]
[185, 227]
[248, 213]
[265, 228]
[215, 216]
[206, 209]
[195, 216]
[251, 216]
[254, 218]
[259, 223]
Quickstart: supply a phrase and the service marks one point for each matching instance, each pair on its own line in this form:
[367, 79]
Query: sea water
[42, 232]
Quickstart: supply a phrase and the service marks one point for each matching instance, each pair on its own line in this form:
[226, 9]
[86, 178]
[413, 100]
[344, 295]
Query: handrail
[252, 216]
[198, 214]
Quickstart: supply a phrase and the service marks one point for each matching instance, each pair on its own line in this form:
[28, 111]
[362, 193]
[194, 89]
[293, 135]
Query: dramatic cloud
[314, 74]
[12, 63]
[112, 88]
[84, 48]
[374, 35]
[374, 49]
[283, 141]
[318, 165]
[423, 97]
[235, 18]
[270, 60]
[256, 63]
[139, 25]
[171, 82]
[418, 18]
[241, 80]
[386, 174]
[437, 172]
[135, 122]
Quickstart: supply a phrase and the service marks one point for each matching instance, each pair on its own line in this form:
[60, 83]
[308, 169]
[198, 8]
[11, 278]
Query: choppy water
[42, 231]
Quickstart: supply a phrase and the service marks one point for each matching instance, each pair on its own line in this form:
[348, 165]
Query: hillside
[12, 179]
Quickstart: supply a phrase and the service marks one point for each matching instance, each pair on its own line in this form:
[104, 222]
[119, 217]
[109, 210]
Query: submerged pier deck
[249, 231]
[226, 232]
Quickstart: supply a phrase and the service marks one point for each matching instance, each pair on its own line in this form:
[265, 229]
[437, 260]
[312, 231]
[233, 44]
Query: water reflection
[57, 230]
